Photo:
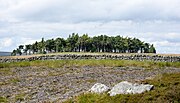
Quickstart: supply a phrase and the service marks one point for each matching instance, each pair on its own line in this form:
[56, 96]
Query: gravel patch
[43, 84]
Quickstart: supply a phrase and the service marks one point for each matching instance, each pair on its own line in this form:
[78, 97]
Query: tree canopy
[84, 43]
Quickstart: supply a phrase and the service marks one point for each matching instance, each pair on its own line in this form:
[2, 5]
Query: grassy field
[92, 62]
[167, 90]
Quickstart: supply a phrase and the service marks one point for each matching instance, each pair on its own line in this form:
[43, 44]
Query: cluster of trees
[84, 43]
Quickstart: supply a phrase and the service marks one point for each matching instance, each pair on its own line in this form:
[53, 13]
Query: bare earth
[43, 84]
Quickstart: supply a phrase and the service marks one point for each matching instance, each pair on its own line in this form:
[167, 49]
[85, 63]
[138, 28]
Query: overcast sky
[153, 21]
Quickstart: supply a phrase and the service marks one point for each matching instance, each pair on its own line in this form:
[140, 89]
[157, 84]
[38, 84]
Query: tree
[21, 47]
[109, 46]
[152, 49]
[84, 43]
[120, 44]
[141, 44]
[73, 42]
[95, 44]
[84, 39]
[136, 45]
[43, 46]
[14, 52]
[50, 45]
[146, 48]
[27, 48]
[60, 44]
[34, 47]
[18, 51]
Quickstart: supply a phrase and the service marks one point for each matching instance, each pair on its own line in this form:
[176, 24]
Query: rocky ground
[43, 84]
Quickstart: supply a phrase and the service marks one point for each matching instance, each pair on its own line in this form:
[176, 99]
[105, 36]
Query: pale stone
[129, 88]
[99, 88]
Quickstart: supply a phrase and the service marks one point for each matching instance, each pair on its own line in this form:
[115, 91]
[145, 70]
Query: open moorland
[56, 81]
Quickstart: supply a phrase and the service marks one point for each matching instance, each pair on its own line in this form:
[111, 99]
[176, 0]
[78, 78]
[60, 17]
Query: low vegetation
[3, 100]
[166, 90]
[91, 62]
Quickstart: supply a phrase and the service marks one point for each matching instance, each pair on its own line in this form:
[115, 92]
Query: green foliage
[84, 43]
[152, 49]
[3, 100]
[14, 52]
[166, 90]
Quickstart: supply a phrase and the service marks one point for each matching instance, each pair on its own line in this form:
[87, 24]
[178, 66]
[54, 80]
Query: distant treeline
[84, 43]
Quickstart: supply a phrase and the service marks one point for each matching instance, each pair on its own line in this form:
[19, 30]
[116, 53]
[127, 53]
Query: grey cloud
[90, 10]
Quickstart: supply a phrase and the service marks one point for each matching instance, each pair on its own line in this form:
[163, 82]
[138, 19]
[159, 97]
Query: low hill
[5, 53]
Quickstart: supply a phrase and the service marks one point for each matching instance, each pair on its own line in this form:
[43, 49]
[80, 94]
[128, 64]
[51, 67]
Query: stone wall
[138, 57]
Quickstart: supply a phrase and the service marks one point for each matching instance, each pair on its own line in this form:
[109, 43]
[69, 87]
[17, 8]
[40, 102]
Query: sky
[154, 21]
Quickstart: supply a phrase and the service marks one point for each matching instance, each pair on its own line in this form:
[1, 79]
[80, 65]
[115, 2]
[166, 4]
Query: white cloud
[5, 42]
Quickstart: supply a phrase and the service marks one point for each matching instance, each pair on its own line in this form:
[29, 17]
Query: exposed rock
[99, 88]
[129, 88]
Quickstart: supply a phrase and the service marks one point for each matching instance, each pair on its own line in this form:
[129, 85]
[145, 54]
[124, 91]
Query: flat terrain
[57, 81]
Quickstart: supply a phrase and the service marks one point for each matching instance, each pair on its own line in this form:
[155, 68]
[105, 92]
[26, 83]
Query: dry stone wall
[139, 57]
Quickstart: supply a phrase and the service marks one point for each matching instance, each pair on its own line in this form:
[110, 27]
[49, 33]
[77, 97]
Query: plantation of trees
[84, 43]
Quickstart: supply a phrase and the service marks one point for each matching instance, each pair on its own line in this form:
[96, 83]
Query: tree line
[84, 43]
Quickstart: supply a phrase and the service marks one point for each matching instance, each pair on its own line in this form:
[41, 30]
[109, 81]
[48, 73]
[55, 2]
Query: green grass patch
[3, 100]
[20, 97]
[14, 80]
[91, 62]
[166, 90]
[15, 64]
[6, 71]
